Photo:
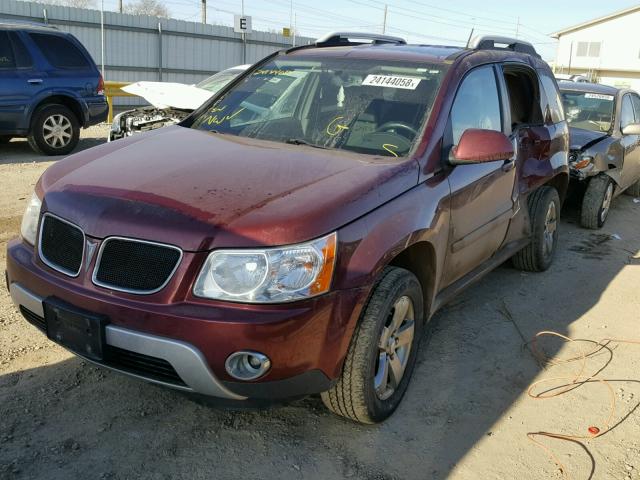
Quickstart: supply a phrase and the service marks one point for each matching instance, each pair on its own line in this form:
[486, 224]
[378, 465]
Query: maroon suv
[296, 232]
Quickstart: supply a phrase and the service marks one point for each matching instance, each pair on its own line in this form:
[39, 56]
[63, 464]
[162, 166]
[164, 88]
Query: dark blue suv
[49, 87]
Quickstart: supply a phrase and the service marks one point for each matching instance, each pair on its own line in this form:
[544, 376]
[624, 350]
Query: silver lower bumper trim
[186, 359]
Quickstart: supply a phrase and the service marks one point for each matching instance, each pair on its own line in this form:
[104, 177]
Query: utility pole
[102, 39]
[293, 36]
[293, 32]
[244, 39]
[384, 19]
[517, 27]
[120, 6]
[203, 13]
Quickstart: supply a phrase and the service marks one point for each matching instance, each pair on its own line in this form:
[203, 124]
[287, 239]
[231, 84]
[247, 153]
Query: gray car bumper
[188, 361]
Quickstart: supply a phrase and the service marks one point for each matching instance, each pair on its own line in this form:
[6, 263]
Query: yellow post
[113, 89]
[110, 103]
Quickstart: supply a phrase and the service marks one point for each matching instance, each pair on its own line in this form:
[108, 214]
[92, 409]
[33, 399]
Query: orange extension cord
[573, 382]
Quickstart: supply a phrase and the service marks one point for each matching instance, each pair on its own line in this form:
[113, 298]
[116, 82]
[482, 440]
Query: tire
[48, 120]
[634, 190]
[596, 202]
[538, 255]
[354, 396]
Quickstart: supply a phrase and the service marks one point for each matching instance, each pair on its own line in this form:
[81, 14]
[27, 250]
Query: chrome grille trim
[50, 264]
[97, 282]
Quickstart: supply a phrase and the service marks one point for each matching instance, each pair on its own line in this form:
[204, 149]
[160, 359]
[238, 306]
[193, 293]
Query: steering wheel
[392, 126]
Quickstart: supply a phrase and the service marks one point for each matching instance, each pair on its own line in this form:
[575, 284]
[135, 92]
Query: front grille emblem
[91, 250]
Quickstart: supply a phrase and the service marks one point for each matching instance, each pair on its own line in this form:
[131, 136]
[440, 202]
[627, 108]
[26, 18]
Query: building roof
[564, 85]
[594, 21]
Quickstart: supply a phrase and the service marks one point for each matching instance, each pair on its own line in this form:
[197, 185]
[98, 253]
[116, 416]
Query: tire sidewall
[37, 136]
[407, 285]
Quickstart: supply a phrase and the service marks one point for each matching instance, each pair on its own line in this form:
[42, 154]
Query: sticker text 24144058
[393, 81]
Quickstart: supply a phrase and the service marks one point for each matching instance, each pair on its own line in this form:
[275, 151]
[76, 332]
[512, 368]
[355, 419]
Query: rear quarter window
[6, 53]
[551, 102]
[23, 59]
[59, 51]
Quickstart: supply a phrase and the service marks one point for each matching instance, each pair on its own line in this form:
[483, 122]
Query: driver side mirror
[478, 146]
[631, 129]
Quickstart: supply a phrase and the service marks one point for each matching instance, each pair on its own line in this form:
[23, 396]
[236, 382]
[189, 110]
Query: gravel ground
[465, 415]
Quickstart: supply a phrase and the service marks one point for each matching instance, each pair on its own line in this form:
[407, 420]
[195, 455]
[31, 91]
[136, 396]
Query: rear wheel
[597, 202]
[54, 130]
[382, 353]
[544, 212]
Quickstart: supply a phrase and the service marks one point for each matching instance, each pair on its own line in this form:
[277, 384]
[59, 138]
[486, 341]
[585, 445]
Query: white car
[170, 102]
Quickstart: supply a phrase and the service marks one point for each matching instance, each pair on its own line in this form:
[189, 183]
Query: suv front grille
[135, 266]
[61, 245]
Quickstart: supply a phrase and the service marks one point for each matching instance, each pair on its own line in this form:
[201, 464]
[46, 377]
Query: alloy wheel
[550, 227]
[57, 130]
[394, 348]
[606, 202]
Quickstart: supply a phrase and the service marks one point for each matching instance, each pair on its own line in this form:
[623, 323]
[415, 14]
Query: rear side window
[636, 106]
[477, 104]
[626, 114]
[23, 59]
[59, 51]
[552, 104]
[7, 59]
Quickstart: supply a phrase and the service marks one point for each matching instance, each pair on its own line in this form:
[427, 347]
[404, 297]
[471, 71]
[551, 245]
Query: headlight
[115, 125]
[269, 275]
[29, 227]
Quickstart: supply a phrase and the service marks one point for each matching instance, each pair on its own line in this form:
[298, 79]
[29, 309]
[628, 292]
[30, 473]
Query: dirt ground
[466, 414]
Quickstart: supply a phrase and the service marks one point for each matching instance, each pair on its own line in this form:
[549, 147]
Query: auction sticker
[598, 96]
[393, 81]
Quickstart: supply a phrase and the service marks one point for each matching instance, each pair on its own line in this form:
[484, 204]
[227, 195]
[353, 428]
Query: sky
[419, 21]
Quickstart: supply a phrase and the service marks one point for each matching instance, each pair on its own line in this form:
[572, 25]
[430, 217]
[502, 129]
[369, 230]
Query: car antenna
[470, 36]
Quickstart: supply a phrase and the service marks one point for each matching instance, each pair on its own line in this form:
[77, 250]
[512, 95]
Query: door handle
[34, 81]
[508, 165]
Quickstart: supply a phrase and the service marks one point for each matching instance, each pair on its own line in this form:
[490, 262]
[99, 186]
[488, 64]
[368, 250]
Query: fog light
[247, 365]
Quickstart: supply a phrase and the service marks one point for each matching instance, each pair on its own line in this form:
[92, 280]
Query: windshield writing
[357, 105]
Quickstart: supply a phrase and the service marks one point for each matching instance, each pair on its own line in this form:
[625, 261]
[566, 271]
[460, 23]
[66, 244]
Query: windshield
[590, 111]
[219, 80]
[351, 104]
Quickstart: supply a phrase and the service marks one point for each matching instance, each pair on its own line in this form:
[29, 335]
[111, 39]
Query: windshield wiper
[299, 141]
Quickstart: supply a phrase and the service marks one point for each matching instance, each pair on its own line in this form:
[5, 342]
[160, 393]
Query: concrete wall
[139, 47]
[618, 62]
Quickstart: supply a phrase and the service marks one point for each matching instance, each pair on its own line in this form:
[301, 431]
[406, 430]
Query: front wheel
[596, 202]
[383, 350]
[544, 212]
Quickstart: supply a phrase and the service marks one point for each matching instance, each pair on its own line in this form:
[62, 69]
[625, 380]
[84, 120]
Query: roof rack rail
[345, 38]
[26, 23]
[496, 42]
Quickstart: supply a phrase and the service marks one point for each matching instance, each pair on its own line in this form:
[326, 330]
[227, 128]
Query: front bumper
[186, 360]
[306, 341]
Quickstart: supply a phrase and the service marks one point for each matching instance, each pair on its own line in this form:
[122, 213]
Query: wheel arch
[420, 259]
[561, 183]
[69, 102]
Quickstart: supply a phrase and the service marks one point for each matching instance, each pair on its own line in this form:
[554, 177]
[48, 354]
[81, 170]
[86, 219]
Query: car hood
[581, 139]
[169, 95]
[201, 190]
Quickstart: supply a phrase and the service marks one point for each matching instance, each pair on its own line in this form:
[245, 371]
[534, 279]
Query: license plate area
[78, 330]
